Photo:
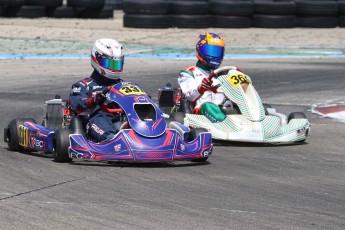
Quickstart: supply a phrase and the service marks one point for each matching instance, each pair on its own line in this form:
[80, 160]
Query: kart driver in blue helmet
[194, 83]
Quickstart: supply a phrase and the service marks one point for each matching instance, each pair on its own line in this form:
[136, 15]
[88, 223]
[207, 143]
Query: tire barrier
[341, 19]
[234, 13]
[56, 8]
[189, 13]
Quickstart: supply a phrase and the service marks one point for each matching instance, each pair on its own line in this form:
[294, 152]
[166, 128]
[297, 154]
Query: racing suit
[99, 126]
[207, 103]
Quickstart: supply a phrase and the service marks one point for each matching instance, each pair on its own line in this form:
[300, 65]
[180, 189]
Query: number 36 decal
[131, 89]
[237, 79]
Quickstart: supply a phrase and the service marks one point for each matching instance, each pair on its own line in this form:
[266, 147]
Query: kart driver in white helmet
[107, 59]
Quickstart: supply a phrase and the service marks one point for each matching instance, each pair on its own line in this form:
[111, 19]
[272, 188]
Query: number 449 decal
[237, 79]
[131, 89]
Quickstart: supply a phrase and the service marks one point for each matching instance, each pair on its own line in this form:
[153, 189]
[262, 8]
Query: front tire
[13, 133]
[61, 144]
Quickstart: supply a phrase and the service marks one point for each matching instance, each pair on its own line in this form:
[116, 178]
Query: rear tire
[61, 144]
[296, 115]
[194, 133]
[13, 133]
[266, 106]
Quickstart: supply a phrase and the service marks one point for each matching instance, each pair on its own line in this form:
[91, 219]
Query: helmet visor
[212, 50]
[111, 64]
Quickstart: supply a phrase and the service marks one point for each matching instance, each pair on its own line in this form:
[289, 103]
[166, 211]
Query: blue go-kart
[144, 134]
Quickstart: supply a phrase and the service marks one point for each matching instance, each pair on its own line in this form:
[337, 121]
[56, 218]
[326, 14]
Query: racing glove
[206, 85]
[98, 99]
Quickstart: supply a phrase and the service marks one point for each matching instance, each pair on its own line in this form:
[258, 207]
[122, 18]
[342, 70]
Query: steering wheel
[221, 71]
[106, 108]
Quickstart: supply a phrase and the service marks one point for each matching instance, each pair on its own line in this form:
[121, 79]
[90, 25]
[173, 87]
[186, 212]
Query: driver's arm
[188, 85]
[78, 97]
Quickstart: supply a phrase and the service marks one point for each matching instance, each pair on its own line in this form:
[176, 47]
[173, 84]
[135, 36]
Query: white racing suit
[189, 80]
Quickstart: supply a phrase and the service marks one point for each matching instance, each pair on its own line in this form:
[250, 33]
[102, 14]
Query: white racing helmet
[107, 58]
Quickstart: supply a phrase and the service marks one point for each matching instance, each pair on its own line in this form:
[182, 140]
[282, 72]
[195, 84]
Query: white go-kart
[247, 118]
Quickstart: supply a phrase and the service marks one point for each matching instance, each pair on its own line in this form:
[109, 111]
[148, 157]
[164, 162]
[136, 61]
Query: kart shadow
[121, 164]
[251, 144]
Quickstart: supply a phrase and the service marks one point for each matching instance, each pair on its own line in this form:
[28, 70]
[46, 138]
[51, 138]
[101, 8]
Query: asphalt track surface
[242, 186]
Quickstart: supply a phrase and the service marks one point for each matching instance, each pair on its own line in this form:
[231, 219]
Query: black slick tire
[13, 133]
[296, 115]
[61, 144]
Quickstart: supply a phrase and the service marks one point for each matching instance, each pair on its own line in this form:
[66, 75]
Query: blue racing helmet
[210, 50]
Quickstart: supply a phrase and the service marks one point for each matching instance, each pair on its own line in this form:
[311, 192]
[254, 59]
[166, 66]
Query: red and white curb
[332, 109]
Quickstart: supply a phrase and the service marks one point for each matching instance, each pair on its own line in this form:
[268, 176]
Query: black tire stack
[275, 14]
[317, 14]
[231, 14]
[146, 14]
[114, 4]
[189, 14]
[28, 8]
[90, 8]
[55, 8]
[341, 8]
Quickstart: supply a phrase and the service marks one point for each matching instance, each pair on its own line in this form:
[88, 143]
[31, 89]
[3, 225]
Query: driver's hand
[98, 99]
[206, 85]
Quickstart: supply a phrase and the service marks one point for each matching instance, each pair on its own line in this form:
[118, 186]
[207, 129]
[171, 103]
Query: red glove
[98, 99]
[206, 85]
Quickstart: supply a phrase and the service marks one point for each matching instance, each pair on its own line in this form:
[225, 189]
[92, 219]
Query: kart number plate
[237, 79]
[131, 90]
[23, 136]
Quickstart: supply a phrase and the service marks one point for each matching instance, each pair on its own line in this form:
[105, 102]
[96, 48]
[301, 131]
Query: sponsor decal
[142, 99]
[97, 129]
[76, 90]
[117, 147]
[36, 143]
[97, 87]
[182, 147]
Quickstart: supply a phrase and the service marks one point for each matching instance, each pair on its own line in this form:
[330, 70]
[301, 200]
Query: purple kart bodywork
[147, 139]
[128, 146]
